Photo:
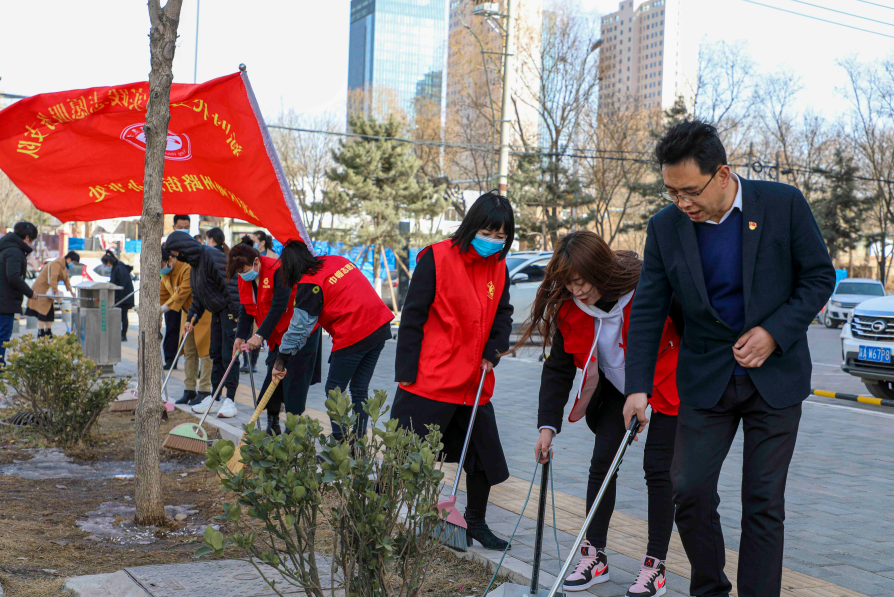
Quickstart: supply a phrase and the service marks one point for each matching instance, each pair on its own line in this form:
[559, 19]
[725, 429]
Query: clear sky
[297, 50]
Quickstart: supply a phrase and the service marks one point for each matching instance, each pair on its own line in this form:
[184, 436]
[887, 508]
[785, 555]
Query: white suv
[867, 340]
[849, 293]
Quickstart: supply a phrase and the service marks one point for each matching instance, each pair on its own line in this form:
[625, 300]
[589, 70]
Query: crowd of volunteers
[708, 328]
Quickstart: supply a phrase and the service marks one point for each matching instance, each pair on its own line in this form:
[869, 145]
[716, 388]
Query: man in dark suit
[749, 265]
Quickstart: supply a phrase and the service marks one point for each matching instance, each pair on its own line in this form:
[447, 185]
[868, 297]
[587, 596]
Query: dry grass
[40, 544]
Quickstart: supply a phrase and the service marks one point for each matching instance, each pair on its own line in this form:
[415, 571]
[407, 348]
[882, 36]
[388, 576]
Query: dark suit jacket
[787, 278]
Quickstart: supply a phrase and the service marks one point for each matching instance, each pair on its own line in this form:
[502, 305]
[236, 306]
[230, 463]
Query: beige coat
[47, 279]
[176, 293]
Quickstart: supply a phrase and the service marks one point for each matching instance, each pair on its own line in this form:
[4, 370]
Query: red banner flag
[79, 155]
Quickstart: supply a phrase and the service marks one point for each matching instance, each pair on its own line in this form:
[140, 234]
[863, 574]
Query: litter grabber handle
[538, 537]
[251, 376]
[125, 298]
[616, 464]
[219, 388]
[462, 458]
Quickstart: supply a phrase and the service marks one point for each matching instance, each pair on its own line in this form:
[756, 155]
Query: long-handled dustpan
[454, 533]
[616, 464]
[511, 589]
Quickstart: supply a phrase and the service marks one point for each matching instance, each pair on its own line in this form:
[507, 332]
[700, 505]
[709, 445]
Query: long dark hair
[491, 211]
[262, 237]
[297, 260]
[217, 235]
[109, 259]
[244, 253]
[583, 253]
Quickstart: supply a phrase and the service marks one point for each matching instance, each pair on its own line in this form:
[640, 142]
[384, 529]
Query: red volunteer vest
[351, 308]
[258, 310]
[578, 331]
[468, 288]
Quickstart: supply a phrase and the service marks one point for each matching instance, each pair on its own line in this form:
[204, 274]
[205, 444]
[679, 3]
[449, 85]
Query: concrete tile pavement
[839, 525]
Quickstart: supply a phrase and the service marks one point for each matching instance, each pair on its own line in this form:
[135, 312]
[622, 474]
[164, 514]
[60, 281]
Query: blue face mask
[251, 275]
[74, 268]
[166, 270]
[487, 246]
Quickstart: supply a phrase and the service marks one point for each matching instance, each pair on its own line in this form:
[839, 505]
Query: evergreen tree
[549, 199]
[378, 181]
[839, 212]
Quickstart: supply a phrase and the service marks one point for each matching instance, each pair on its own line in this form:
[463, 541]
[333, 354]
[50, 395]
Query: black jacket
[208, 277]
[787, 277]
[13, 267]
[120, 276]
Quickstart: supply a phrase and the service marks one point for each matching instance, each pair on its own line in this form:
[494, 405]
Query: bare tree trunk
[162, 40]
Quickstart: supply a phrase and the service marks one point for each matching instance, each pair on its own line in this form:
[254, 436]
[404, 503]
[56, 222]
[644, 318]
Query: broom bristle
[234, 464]
[186, 444]
[123, 406]
[453, 536]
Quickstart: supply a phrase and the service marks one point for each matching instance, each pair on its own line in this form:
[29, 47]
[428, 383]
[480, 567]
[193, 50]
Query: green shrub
[385, 490]
[60, 386]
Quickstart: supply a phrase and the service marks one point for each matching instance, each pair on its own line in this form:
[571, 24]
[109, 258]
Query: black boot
[273, 427]
[479, 531]
[188, 395]
[199, 397]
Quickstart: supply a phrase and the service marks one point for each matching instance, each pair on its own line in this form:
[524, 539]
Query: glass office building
[397, 49]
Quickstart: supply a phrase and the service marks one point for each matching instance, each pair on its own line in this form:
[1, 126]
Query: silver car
[526, 271]
[849, 293]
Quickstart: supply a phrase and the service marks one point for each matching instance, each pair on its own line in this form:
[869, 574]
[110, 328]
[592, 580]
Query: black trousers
[172, 335]
[704, 437]
[292, 390]
[124, 323]
[658, 455]
[223, 336]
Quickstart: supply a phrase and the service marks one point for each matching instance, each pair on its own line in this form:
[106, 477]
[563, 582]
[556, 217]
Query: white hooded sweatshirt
[609, 352]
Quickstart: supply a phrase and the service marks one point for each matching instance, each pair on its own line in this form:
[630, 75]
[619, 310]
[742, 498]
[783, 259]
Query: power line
[841, 12]
[819, 19]
[876, 4]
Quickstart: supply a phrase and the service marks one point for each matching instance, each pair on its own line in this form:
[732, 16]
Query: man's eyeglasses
[675, 198]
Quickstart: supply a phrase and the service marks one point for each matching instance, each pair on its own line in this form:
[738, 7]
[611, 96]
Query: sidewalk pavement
[839, 528]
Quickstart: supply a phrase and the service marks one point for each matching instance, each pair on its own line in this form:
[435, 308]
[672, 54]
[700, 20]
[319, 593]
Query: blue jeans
[7, 320]
[353, 371]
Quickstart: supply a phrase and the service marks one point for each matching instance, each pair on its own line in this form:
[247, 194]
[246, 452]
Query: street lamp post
[491, 10]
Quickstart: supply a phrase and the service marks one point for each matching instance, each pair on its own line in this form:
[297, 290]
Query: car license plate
[874, 355]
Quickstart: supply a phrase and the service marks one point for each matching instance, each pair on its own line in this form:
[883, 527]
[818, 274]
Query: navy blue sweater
[720, 248]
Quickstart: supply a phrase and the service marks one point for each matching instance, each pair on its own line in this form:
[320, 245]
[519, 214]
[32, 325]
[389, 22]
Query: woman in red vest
[268, 302]
[582, 309]
[342, 302]
[456, 321]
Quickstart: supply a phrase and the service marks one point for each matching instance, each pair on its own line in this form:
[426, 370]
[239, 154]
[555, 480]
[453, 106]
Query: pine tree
[549, 199]
[839, 211]
[378, 181]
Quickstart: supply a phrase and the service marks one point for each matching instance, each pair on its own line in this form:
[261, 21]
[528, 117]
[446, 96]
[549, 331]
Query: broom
[192, 438]
[454, 530]
[234, 464]
[127, 401]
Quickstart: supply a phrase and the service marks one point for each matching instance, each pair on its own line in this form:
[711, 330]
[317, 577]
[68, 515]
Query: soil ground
[40, 544]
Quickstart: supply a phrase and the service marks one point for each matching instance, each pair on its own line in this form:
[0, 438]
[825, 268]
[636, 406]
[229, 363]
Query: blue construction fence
[79, 244]
[355, 254]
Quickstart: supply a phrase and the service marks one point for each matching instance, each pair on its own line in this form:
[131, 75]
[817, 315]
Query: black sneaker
[188, 396]
[168, 366]
[199, 397]
[592, 569]
[243, 369]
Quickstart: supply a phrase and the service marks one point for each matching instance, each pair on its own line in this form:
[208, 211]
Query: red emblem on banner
[178, 147]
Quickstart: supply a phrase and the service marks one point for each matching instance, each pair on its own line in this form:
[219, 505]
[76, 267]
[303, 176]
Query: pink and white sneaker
[651, 579]
[592, 569]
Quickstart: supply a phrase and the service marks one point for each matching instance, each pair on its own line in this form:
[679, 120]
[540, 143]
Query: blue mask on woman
[166, 270]
[487, 246]
[251, 275]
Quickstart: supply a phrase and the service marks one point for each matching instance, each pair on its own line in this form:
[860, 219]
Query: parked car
[849, 293]
[526, 272]
[384, 291]
[867, 340]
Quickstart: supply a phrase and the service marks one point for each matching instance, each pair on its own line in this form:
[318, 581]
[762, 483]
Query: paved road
[840, 524]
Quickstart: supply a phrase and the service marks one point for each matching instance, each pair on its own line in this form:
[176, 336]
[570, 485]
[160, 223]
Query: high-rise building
[397, 52]
[647, 57]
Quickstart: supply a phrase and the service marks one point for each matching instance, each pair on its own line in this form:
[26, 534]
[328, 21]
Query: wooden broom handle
[264, 400]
